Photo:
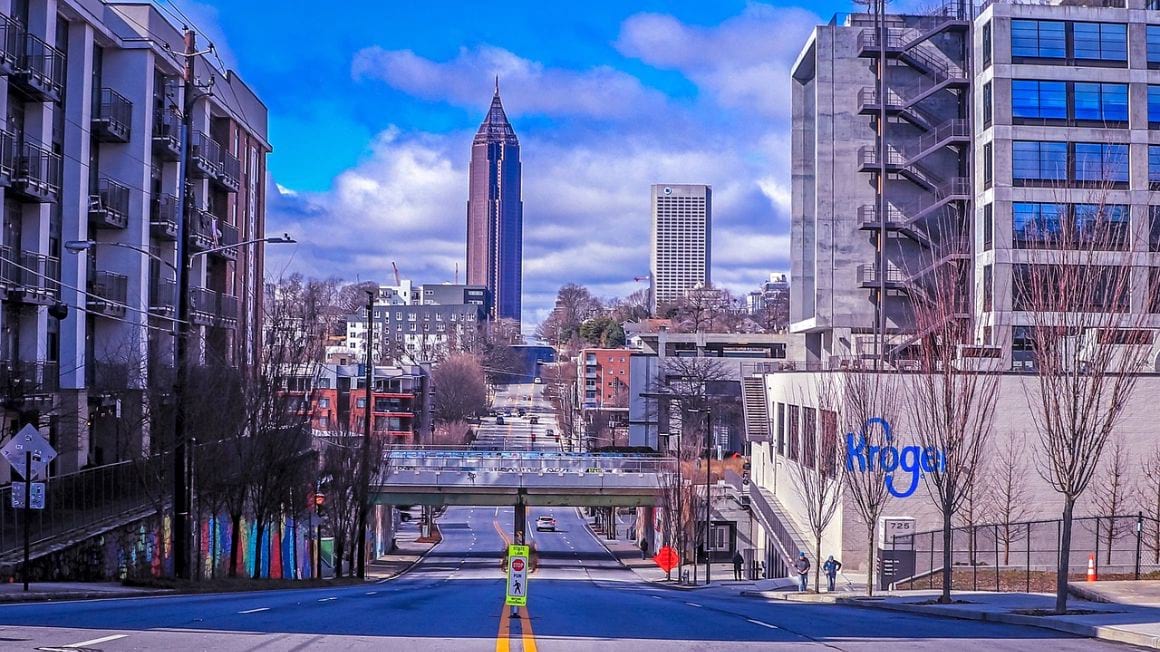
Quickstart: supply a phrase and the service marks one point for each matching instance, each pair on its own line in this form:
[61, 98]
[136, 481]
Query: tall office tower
[495, 213]
[953, 145]
[91, 150]
[682, 242]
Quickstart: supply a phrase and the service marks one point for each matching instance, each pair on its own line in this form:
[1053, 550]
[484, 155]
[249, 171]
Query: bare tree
[1009, 495]
[869, 404]
[1089, 342]
[460, 389]
[1150, 494]
[817, 476]
[1113, 495]
[561, 390]
[574, 304]
[678, 504]
[953, 396]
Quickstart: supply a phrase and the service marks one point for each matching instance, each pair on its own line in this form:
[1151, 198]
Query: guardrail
[451, 460]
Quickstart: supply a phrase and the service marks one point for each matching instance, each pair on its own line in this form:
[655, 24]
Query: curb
[412, 565]
[807, 598]
[63, 596]
[1101, 632]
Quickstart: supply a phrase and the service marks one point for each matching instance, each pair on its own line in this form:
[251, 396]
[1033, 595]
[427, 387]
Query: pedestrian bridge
[503, 478]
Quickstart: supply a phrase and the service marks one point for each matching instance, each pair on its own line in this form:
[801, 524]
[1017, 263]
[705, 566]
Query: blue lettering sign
[913, 461]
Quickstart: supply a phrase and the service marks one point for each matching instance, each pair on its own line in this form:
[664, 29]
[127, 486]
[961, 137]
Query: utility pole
[364, 471]
[181, 490]
[708, 502]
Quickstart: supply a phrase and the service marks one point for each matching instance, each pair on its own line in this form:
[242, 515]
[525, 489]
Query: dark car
[499, 421]
[534, 419]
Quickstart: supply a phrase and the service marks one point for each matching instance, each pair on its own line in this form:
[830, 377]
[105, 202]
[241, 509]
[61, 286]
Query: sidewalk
[46, 591]
[1128, 621]
[407, 553]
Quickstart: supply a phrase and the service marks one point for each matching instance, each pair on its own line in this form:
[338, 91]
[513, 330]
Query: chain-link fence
[1024, 556]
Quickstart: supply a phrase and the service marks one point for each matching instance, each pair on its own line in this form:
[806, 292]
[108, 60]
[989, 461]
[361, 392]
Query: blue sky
[372, 109]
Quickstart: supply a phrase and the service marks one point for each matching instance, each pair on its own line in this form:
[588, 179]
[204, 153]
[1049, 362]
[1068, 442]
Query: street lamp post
[708, 502]
[364, 471]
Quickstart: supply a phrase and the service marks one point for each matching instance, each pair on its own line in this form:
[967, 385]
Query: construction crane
[398, 281]
[646, 277]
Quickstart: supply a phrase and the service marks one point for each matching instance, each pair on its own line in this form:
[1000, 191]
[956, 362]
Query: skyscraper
[495, 213]
[682, 240]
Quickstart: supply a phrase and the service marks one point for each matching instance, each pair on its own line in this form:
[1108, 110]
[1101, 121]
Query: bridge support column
[519, 529]
[645, 522]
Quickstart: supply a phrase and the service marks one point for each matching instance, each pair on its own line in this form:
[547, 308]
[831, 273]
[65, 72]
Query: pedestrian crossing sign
[517, 579]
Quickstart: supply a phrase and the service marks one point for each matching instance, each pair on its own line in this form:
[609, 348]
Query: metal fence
[1024, 556]
[79, 501]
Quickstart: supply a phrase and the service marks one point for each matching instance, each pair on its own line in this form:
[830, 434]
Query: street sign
[667, 558]
[18, 496]
[517, 581]
[28, 440]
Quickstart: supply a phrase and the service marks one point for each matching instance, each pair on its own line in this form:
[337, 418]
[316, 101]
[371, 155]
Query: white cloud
[526, 86]
[585, 183]
[743, 62]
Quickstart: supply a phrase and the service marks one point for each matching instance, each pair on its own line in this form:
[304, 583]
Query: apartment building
[682, 240]
[92, 96]
[400, 401]
[422, 322]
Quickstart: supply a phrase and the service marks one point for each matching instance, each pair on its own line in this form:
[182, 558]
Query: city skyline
[380, 152]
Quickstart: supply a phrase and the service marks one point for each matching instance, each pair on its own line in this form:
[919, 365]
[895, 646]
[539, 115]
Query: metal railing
[77, 502]
[231, 170]
[42, 64]
[109, 286]
[110, 203]
[24, 378]
[459, 459]
[163, 215]
[11, 42]
[114, 112]
[1024, 556]
[949, 130]
[203, 302]
[206, 153]
[870, 273]
[167, 132]
[39, 274]
[227, 307]
[161, 295]
[227, 236]
[38, 169]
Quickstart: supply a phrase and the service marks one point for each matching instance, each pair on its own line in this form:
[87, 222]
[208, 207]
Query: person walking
[831, 568]
[738, 561]
[644, 548]
[803, 568]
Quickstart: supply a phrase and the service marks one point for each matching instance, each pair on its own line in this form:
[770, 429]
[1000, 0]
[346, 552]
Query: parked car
[533, 419]
[499, 421]
[545, 523]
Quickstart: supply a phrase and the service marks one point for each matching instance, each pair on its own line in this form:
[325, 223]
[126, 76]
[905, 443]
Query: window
[324, 422]
[988, 165]
[987, 109]
[987, 45]
[361, 402]
[1041, 39]
[988, 289]
[809, 437]
[793, 432]
[1154, 290]
[1033, 160]
[1154, 228]
[826, 465]
[1036, 224]
[1088, 288]
[1104, 227]
[988, 227]
[1038, 100]
[781, 429]
[1100, 41]
[1154, 166]
[324, 403]
[1154, 46]
[1101, 102]
[1100, 162]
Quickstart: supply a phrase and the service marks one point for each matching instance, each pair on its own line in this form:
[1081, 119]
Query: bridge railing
[450, 459]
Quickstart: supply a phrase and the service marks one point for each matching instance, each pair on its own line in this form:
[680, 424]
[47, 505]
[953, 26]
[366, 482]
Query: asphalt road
[579, 598]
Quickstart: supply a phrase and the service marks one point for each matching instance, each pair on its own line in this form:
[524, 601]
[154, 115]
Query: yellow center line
[503, 535]
[529, 637]
[503, 638]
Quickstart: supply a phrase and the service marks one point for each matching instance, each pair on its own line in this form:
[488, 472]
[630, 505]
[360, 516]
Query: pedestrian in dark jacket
[738, 561]
[803, 568]
[831, 568]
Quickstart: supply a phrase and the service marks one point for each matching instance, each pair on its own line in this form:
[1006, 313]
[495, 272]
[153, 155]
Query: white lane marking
[758, 622]
[692, 604]
[658, 597]
[372, 592]
[328, 599]
[254, 611]
[96, 641]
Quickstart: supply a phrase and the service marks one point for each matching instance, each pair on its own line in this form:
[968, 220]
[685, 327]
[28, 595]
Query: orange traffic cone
[1091, 576]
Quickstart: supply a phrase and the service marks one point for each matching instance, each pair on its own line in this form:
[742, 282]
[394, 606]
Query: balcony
[200, 230]
[205, 157]
[161, 297]
[230, 172]
[11, 45]
[112, 117]
[108, 294]
[40, 71]
[36, 175]
[163, 217]
[109, 206]
[22, 383]
[227, 237]
[36, 278]
[167, 135]
[202, 306]
[227, 311]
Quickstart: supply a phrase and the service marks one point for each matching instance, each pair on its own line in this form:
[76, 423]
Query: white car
[545, 523]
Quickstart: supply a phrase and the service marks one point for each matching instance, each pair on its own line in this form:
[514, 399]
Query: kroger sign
[910, 460]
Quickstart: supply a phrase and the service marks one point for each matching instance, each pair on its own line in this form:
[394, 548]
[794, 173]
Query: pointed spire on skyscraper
[495, 127]
[497, 85]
